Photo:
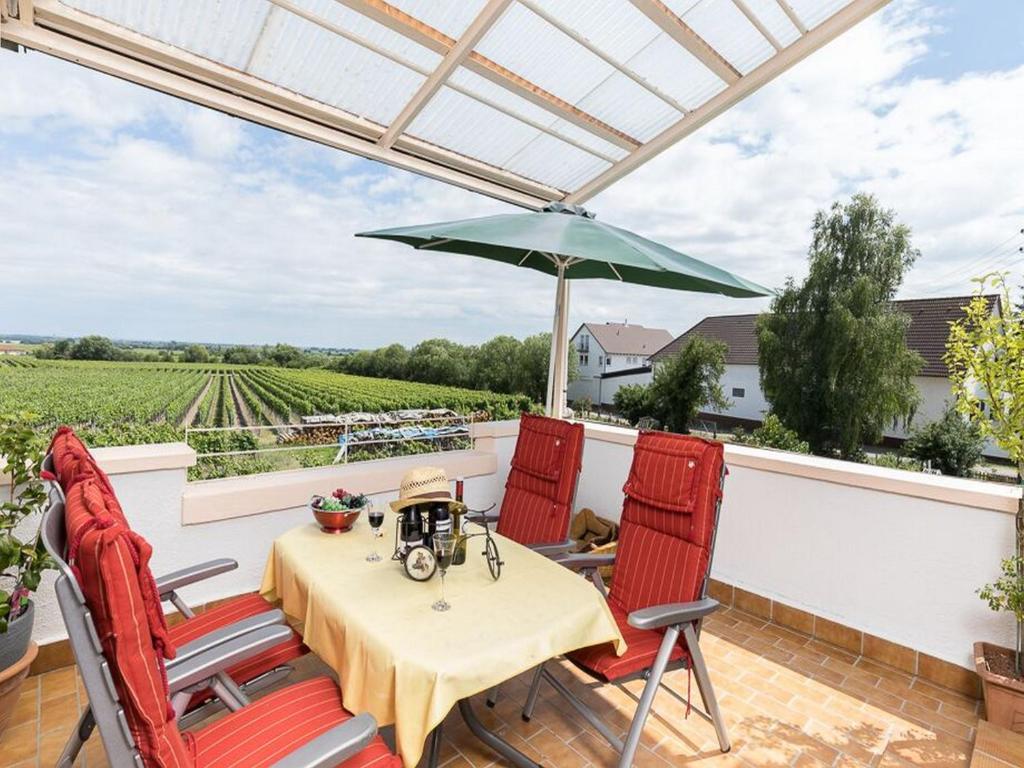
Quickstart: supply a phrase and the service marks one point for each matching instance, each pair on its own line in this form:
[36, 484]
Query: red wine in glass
[376, 517]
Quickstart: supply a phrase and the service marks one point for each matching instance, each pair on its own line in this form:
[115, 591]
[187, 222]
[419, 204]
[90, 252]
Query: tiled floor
[789, 701]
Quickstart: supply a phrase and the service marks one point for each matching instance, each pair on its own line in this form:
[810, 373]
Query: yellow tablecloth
[407, 664]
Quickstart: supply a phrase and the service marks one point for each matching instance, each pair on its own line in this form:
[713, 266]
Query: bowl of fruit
[338, 512]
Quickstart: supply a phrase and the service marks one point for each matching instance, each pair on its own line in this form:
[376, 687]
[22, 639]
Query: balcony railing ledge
[207, 501]
[126, 459]
[953, 490]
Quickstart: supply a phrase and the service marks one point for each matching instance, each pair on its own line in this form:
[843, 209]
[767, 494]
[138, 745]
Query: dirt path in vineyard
[190, 414]
[244, 415]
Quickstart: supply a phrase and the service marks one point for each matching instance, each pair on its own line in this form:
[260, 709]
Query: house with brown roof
[929, 328]
[611, 355]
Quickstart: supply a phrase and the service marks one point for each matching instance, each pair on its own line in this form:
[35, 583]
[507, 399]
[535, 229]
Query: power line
[972, 266]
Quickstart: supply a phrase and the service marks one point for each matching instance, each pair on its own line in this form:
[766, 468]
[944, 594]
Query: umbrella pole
[553, 404]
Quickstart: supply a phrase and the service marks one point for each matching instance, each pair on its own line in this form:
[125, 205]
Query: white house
[927, 335]
[611, 355]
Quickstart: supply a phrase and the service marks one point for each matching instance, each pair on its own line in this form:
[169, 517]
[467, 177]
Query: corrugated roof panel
[724, 27]
[378, 34]
[813, 12]
[508, 100]
[775, 20]
[538, 52]
[452, 18]
[559, 164]
[224, 31]
[308, 59]
[645, 116]
[675, 70]
[457, 122]
[617, 29]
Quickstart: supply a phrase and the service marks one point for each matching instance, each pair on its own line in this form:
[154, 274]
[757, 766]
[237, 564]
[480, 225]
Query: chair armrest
[584, 561]
[205, 665]
[658, 616]
[333, 747]
[554, 548]
[182, 578]
[271, 618]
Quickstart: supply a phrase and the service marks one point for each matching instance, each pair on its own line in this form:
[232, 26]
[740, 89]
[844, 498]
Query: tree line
[504, 364]
[102, 348]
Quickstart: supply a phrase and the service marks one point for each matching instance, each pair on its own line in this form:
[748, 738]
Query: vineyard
[130, 403]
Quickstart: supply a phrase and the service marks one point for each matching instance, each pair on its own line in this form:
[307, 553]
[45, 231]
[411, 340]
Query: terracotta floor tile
[60, 682]
[19, 743]
[59, 714]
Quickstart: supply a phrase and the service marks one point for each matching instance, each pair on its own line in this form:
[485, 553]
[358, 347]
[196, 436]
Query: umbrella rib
[616, 272]
[434, 243]
[523, 260]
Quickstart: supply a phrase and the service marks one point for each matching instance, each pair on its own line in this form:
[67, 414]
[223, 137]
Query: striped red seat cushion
[541, 481]
[111, 565]
[642, 647]
[72, 462]
[664, 550]
[270, 728]
[228, 612]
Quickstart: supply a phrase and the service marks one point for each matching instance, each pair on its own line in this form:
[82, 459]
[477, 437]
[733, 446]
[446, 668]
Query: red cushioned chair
[112, 612]
[68, 463]
[541, 484]
[658, 594]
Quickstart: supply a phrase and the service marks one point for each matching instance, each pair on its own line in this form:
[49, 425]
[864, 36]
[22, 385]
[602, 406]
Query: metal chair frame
[679, 620]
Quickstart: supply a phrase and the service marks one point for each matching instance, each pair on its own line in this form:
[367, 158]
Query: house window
[584, 343]
[738, 392]
[584, 359]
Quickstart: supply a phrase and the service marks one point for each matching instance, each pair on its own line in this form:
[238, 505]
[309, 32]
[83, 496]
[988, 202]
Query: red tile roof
[927, 335]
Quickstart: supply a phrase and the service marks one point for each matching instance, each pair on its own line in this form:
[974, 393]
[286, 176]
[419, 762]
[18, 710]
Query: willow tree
[832, 351]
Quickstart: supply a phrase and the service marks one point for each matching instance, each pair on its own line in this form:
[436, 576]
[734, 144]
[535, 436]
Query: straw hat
[423, 485]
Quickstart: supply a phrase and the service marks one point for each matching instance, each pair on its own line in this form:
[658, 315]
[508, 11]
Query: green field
[130, 403]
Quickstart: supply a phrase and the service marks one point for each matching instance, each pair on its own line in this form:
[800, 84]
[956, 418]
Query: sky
[134, 215]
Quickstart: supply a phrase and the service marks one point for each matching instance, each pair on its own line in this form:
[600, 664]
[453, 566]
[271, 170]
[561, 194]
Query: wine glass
[444, 547]
[376, 517]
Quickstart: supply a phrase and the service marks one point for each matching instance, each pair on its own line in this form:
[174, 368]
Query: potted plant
[984, 355]
[22, 557]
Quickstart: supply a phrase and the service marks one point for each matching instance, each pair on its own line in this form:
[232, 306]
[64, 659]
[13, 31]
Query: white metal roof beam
[788, 10]
[833, 27]
[67, 34]
[758, 24]
[398, 21]
[683, 34]
[621, 67]
[455, 56]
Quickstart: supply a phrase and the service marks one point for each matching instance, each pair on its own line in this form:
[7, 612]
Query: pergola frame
[56, 29]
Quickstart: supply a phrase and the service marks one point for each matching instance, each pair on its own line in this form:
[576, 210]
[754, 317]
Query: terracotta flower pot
[1004, 696]
[10, 684]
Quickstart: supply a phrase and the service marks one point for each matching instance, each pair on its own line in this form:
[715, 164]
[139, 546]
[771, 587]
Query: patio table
[409, 665]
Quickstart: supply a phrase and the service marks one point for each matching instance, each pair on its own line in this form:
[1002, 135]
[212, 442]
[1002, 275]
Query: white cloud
[166, 220]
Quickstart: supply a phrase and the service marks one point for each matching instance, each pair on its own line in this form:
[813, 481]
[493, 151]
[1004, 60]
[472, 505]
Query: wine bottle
[459, 555]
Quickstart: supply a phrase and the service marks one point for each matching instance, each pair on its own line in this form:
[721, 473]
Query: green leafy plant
[632, 402]
[832, 351]
[985, 357]
[773, 434]
[952, 443]
[688, 381]
[21, 562]
[894, 461]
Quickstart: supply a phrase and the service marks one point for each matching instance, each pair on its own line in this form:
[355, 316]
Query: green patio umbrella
[567, 241]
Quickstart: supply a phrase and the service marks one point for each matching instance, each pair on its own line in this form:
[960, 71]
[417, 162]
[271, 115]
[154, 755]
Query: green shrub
[773, 434]
[632, 402]
[894, 461]
[951, 443]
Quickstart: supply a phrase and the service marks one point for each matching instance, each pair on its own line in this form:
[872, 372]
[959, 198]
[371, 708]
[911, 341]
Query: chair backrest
[541, 485]
[116, 628]
[69, 461]
[669, 518]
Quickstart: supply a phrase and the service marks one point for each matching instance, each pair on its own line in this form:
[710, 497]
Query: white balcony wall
[896, 554]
